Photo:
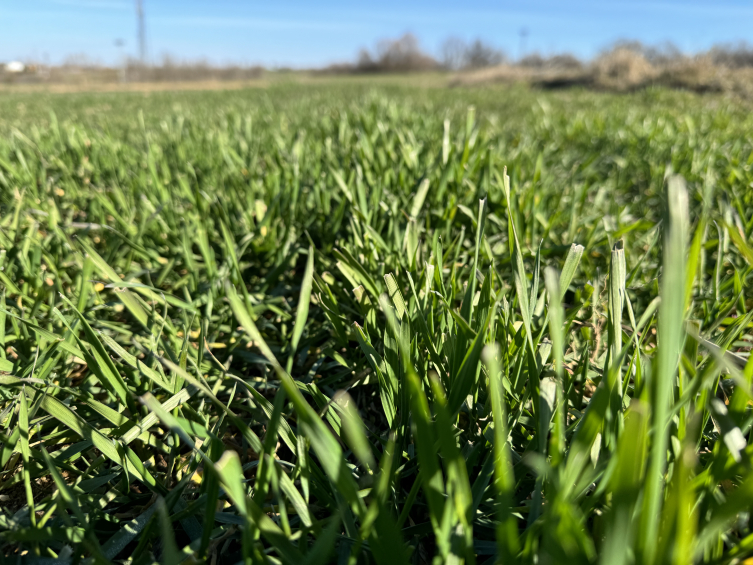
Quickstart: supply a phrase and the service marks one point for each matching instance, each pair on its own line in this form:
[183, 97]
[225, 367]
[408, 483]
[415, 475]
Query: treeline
[623, 66]
[405, 54]
[173, 70]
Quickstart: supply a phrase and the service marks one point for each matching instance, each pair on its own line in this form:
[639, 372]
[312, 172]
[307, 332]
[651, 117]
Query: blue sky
[300, 34]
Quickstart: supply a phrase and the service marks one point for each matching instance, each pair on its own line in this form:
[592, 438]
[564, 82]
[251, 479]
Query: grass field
[375, 324]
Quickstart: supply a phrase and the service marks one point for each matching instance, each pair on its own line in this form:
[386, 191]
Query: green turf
[375, 324]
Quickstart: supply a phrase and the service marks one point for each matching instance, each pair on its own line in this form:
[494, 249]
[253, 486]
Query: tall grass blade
[671, 313]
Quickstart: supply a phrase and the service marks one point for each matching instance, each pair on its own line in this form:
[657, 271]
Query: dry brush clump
[621, 69]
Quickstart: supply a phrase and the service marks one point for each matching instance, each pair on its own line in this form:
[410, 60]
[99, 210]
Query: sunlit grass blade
[626, 480]
[572, 260]
[556, 320]
[99, 362]
[671, 313]
[354, 430]
[521, 285]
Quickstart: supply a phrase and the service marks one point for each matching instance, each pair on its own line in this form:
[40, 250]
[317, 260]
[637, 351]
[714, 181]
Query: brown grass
[64, 88]
[623, 70]
[432, 79]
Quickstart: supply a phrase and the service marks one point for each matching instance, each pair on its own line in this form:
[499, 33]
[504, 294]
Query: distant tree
[365, 62]
[79, 60]
[534, 61]
[480, 54]
[564, 61]
[732, 55]
[457, 54]
[396, 55]
[454, 53]
[402, 54]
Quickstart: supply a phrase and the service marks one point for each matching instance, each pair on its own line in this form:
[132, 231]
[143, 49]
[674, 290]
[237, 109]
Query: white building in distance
[15, 67]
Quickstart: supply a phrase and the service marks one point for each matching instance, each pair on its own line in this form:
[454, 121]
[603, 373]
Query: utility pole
[523, 33]
[119, 43]
[142, 31]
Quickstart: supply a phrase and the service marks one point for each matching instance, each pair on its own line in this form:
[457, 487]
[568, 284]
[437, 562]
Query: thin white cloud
[717, 9]
[252, 23]
[96, 4]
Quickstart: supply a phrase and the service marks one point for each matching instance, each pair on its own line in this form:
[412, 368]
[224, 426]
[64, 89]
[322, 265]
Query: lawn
[376, 322]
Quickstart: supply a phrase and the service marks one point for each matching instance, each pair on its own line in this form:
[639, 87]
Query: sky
[300, 34]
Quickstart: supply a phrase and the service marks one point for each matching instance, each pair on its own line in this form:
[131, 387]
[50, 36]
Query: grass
[342, 323]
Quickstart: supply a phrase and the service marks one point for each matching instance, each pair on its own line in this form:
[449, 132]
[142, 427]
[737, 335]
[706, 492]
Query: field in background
[362, 321]
[626, 66]
[278, 81]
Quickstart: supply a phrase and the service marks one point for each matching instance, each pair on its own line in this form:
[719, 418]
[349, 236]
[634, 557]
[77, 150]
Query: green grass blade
[354, 429]
[433, 483]
[170, 553]
[508, 545]
[231, 474]
[572, 261]
[99, 361]
[302, 311]
[671, 313]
